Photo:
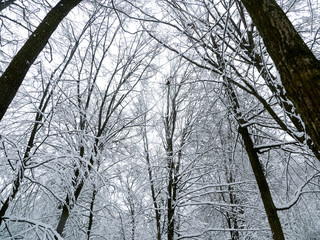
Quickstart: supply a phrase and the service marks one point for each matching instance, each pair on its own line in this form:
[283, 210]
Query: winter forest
[160, 119]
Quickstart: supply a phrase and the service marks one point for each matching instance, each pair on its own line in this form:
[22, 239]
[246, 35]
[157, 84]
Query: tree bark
[26, 157]
[94, 193]
[63, 217]
[270, 208]
[298, 67]
[152, 185]
[257, 169]
[5, 3]
[170, 126]
[13, 76]
[265, 193]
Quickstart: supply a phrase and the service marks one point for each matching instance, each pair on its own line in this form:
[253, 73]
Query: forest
[160, 119]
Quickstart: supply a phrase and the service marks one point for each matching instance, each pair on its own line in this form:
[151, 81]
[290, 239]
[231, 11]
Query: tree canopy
[159, 119]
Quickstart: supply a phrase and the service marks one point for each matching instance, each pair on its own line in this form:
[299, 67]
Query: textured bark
[298, 67]
[13, 76]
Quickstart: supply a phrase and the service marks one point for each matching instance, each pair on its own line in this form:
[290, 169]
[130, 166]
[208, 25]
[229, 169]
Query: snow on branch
[297, 195]
[47, 229]
[196, 235]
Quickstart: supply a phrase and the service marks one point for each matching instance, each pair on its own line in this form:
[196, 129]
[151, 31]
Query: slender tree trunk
[16, 186]
[170, 123]
[20, 172]
[94, 193]
[13, 76]
[153, 191]
[170, 189]
[265, 193]
[133, 221]
[67, 206]
[262, 183]
[155, 203]
[234, 213]
[298, 67]
[232, 217]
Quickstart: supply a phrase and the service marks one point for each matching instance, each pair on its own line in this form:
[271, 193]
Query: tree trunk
[153, 191]
[265, 193]
[26, 157]
[63, 217]
[5, 3]
[169, 126]
[171, 190]
[13, 76]
[298, 67]
[262, 183]
[69, 204]
[94, 193]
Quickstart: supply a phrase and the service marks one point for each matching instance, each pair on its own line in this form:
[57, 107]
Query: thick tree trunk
[12, 78]
[63, 217]
[5, 3]
[298, 67]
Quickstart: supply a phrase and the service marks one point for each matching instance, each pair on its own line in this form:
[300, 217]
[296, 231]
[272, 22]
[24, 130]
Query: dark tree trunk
[69, 203]
[170, 124]
[153, 194]
[298, 67]
[94, 193]
[262, 183]
[171, 191]
[13, 76]
[5, 3]
[26, 157]
[265, 193]
[16, 186]
[63, 217]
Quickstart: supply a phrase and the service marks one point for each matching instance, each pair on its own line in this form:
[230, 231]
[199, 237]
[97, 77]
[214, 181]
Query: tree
[13, 76]
[298, 67]
[101, 116]
[216, 37]
[106, 139]
[5, 3]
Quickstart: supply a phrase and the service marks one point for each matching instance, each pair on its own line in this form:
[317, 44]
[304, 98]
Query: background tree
[199, 41]
[142, 118]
